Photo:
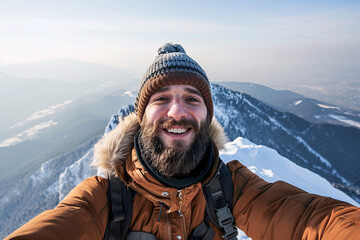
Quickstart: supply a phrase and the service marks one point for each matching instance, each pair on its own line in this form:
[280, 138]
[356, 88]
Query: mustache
[187, 123]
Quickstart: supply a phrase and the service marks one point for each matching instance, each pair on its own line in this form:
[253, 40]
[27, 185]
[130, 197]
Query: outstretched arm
[81, 215]
[281, 211]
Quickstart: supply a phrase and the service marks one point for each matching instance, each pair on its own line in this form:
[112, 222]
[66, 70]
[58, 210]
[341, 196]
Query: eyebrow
[194, 91]
[163, 89]
[190, 90]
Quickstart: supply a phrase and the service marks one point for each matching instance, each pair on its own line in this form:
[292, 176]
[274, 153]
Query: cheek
[153, 113]
[201, 114]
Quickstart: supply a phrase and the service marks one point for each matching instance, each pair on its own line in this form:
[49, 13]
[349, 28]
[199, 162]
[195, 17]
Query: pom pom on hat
[169, 48]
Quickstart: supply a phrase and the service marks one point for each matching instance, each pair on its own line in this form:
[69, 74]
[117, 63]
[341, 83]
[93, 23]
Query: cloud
[27, 134]
[42, 113]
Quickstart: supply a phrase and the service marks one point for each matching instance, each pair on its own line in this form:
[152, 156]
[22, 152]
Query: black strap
[120, 199]
[219, 200]
[203, 231]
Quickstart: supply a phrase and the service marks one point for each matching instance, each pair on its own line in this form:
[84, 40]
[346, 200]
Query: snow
[345, 120]
[27, 134]
[4, 200]
[271, 166]
[328, 107]
[48, 111]
[41, 174]
[42, 113]
[297, 102]
[218, 112]
[322, 159]
[75, 173]
[299, 139]
[52, 189]
[130, 94]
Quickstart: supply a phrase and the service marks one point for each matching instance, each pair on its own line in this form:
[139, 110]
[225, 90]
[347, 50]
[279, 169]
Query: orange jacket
[262, 210]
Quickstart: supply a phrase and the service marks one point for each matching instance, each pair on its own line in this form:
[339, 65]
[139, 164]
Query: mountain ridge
[308, 108]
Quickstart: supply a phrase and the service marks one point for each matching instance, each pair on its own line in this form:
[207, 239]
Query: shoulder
[90, 192]
[240, 172]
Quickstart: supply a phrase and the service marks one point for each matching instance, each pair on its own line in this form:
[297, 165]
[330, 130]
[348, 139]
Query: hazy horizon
[312, 48]
[261, 41]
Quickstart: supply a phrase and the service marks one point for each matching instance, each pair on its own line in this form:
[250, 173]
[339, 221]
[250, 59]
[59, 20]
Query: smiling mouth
[177, 130]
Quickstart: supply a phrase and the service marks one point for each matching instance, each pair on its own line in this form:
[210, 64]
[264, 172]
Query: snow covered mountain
[332, 151]
[244, 118]
[310, 109]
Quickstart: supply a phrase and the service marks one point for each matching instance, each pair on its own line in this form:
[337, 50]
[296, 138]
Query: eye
[192, 99]
[161, 99]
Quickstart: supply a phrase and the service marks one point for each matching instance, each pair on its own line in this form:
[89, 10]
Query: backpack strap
[219, 193]
[120, 199]
[203, 231]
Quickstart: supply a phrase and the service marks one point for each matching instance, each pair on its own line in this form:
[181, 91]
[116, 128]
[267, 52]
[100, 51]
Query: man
[165, 152]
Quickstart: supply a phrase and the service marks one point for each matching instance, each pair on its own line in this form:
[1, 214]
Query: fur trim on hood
[114, 147]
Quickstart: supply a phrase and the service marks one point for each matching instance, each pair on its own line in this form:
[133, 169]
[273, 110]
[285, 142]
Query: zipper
[181, 215]
[168, 226]
[180, 198]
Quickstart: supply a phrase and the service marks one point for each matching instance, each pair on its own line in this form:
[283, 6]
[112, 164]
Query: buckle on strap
[226, 221]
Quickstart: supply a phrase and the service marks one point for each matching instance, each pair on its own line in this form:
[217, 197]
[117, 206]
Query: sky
[232, 40]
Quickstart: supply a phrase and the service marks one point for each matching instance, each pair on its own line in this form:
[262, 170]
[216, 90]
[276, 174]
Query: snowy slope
[270, 166]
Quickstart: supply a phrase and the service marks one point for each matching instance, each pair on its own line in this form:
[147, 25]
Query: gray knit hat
[172, 66]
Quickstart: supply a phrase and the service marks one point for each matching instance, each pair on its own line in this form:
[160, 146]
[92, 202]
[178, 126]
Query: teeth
[176, 130]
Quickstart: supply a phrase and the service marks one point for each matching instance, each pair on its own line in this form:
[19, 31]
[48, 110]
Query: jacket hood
[115, 147]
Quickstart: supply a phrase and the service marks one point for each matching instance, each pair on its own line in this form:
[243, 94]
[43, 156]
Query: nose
[177, 110]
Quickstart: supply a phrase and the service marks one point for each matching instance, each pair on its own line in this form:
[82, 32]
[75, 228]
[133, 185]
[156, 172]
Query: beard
[180, 159]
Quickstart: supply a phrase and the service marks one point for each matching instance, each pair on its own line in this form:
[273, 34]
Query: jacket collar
[145, 184]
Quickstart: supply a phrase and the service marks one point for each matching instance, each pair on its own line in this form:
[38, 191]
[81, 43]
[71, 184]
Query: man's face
[174, 132]
[180, 110]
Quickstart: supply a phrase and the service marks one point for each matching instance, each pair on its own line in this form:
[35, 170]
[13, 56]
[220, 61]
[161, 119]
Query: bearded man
[166, 152]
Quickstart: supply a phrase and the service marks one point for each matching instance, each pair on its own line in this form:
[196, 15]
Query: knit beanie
[172, 66]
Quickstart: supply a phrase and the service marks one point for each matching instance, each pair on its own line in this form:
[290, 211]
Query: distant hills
[32, 87]
[21, 97]
[72, 125]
